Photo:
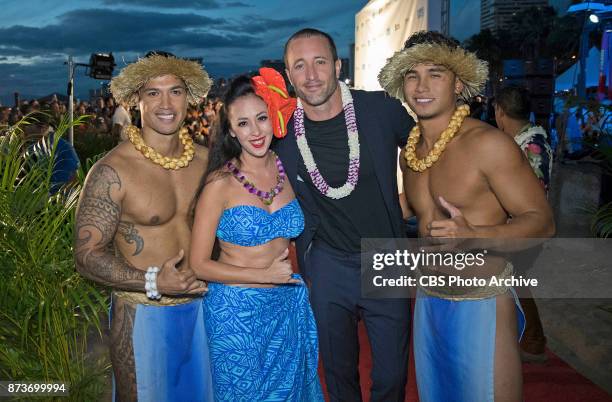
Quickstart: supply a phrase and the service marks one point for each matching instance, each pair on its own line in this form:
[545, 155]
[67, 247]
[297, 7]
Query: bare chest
[155, 196]
[455, 177]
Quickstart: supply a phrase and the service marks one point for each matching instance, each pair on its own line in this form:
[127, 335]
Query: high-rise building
[445, 14]
[497, 14]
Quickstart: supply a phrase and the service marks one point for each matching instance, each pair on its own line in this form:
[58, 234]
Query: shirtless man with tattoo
[463, 179]
[132, 234]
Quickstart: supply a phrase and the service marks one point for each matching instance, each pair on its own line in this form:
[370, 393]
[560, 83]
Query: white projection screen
[382, 27]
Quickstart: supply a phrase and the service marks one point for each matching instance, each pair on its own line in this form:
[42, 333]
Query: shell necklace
[420, 165]
[133, 134]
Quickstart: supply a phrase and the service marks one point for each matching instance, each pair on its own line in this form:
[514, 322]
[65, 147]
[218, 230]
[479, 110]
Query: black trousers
[335, 295]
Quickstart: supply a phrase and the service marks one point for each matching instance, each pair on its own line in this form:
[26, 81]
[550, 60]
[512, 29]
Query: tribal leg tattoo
[122, 350]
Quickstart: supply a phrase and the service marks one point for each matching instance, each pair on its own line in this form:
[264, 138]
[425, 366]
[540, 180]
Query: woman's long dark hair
[222, 146]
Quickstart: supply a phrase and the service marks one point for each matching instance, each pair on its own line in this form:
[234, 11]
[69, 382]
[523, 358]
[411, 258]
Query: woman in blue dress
[261, 330]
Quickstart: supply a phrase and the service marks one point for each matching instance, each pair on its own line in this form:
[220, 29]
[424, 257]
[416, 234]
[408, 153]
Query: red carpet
[556, 381]
[553, 381]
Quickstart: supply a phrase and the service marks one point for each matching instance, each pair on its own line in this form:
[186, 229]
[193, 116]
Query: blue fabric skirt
[263, 343]
[454, 348]
[171, 353]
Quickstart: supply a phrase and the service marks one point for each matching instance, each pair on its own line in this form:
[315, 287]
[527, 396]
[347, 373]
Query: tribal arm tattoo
[130, 235]
[97, 221]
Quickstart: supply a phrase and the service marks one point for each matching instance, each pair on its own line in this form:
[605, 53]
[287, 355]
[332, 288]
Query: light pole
[100, 67]
[584, 51]
[71, 99]
[71, 67]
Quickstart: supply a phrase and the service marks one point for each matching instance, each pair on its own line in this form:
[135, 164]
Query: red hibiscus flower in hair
[270, 86]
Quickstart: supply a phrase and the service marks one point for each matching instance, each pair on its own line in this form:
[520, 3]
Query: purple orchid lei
[265, 196]
[353, 142]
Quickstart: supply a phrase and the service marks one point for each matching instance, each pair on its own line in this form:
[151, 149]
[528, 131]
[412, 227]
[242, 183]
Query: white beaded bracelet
[151, 283]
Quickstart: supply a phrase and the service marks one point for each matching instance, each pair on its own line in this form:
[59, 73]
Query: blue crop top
[248, 225]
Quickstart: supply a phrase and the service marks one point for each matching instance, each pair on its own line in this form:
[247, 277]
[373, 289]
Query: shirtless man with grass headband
[463, 179]
[132, 234]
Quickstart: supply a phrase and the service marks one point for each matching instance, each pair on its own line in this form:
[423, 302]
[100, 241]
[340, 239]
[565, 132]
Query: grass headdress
[126, 85]
[472, 71]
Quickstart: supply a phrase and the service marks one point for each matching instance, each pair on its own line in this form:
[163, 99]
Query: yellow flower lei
[133, 134]
[420, 165]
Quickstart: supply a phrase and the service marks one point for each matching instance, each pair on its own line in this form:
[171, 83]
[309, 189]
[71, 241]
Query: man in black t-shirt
[340, 155]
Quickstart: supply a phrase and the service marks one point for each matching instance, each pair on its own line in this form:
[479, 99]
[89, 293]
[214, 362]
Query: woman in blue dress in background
[261, 330]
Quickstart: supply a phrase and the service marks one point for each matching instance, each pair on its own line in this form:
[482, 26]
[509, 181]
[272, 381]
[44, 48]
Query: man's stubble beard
[320, 99]
[165, 132]
[432, 114]
[429, 116]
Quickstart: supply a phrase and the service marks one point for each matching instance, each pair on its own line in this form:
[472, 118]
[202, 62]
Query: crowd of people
[103, 116]
[11, 115]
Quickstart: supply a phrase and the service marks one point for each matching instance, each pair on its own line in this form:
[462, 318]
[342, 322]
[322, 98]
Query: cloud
[32, 56]
[195, 4]
[51, 76]
[15, 51]
[29, 79]
[90, 30]
[259, 24]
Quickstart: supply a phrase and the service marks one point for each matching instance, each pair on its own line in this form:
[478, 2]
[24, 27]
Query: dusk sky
[231, 36]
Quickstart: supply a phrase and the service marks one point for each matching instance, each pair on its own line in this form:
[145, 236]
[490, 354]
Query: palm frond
[47, 310]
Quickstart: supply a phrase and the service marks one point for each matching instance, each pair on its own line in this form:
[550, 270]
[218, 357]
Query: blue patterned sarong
[454, 347]
[263, 343]
[171, 353]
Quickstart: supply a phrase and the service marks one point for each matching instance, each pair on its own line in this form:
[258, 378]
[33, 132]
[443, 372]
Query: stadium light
[101, 66]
